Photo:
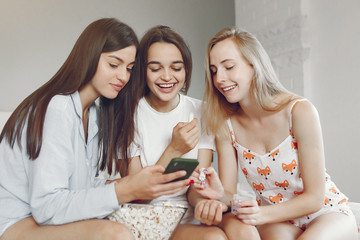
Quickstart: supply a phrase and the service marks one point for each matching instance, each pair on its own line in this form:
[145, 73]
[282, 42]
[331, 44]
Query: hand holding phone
[177, 164]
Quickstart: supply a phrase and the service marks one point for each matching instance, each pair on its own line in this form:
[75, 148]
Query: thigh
[95, 229]
[234, 228]
[332, 226]
[198, 232]
[283, 230]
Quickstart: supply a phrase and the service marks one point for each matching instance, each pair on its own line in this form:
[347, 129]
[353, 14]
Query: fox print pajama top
[275, 177]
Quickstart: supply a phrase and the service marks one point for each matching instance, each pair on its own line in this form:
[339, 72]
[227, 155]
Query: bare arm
[214, 189]
[185, 136]
[149, 182]
[210, 202]
[227, 162]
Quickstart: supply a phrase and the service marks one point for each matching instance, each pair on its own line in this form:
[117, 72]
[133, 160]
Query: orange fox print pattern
[283, 185]
[245, 171]
[248, 156]
[266, 172]
[328, 201]
[289, 168]
[259, 187]
[274, 155]
[276, 199]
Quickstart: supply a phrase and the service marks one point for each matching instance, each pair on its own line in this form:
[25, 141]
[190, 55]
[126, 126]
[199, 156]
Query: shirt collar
[77, 103]
[93, 112]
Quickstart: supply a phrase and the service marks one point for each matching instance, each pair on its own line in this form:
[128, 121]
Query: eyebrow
[223, 61]
[174, 62]
[119, 59]
[226, 60]
[116, 57]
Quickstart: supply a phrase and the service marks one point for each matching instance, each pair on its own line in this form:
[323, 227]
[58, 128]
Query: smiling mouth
[229, 88]
[169, 85]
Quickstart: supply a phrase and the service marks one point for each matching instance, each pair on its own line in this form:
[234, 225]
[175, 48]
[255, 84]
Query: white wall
[334, 36]
[315, 48]
[37, 35]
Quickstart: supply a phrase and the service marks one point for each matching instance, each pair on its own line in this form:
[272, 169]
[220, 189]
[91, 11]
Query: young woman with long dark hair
[49, 150]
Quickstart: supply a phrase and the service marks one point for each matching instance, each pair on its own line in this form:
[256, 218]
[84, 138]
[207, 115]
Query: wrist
[124, 191]
[173, 151]
[226, 198]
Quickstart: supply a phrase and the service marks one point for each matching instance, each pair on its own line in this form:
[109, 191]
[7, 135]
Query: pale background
[314, 46]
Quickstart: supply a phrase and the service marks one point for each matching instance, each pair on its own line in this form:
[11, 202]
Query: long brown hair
[265, 85]
[103, 35]
[164, 34]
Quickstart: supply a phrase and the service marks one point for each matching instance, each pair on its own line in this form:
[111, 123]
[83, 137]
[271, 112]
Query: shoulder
[302, 107]
[142, 104]
[60, 102]
[304, 114]
[191, 101]
[61, 107]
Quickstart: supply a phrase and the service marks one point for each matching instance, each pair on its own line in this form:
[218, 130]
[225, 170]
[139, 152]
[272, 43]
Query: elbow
[38, 215]
[317, 202]
[40, 212]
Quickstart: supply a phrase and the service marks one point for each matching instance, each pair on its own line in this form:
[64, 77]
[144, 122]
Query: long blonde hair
[265, 85]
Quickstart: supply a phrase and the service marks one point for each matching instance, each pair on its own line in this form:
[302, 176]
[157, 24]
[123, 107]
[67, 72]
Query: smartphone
[177, 164]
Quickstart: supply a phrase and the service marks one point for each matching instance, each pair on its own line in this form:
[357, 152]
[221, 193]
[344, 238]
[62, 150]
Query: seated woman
[274, 137]
[49, 146]
[167, 124]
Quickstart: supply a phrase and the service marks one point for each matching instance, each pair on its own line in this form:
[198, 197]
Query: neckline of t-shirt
[175, 110]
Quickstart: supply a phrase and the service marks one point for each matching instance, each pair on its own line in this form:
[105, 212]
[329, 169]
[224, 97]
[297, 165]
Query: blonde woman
[273, 137]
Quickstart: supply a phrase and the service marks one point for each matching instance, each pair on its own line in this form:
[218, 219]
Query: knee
[249, 232]
[241, 231]
[214, 233]
[115, 231]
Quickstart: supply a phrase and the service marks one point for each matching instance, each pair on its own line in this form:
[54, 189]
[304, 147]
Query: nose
[123, 75]
[219, 76]
[167, 75]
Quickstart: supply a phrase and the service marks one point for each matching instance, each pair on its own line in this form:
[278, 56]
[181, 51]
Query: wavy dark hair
[116, 121]
[165, 34]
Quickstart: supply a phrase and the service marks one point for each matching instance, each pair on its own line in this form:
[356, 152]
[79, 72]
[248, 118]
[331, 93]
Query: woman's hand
[211, 187]
[248, 211]
[209, 212]
[149, 183]
[185, 136]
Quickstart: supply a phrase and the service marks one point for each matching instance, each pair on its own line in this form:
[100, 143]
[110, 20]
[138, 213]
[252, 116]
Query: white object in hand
[191, 116]
[202, 176]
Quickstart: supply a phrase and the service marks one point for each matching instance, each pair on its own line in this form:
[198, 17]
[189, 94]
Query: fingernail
[191, 182]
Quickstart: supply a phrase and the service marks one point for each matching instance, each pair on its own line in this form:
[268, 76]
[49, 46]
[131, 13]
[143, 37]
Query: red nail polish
[191, 182]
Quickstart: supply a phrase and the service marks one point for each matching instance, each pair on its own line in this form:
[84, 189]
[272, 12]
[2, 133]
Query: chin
[111, 95]
[231, 100]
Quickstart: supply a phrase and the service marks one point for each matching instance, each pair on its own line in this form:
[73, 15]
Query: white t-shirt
[154, 133]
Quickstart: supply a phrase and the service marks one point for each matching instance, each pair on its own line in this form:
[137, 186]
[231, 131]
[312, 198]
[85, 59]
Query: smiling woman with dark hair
[49, 146]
